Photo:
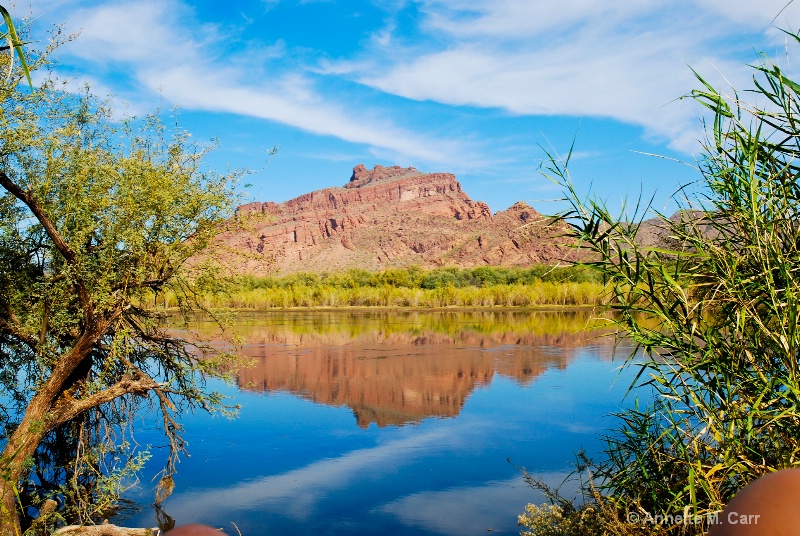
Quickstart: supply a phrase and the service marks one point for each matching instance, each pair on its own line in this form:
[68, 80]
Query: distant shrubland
[485, 286]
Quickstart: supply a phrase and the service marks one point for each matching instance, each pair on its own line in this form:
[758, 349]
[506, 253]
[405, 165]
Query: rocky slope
[386, 217]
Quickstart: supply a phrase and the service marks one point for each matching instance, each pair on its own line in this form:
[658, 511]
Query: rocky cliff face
[386, 217]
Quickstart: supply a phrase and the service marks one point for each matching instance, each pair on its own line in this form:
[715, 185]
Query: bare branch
[103, 530]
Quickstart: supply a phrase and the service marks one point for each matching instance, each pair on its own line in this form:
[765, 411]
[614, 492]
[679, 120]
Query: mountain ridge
[383, 218]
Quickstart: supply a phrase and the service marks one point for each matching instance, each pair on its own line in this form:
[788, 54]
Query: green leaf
[16, 43]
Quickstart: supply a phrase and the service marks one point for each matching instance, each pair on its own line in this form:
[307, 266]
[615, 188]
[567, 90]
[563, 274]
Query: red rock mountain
[386, 217]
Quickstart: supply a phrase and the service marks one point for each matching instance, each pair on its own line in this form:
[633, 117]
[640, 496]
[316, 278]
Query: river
[392, 423]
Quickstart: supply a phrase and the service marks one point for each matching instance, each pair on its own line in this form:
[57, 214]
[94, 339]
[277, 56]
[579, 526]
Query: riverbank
[483, 287]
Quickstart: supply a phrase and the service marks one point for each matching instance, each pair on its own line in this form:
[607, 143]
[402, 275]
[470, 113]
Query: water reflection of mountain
[393, 369]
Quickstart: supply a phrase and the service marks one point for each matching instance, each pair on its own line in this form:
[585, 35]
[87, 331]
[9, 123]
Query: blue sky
[472, 87]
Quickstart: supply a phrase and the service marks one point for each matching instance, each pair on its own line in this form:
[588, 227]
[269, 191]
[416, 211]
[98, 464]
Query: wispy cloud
[627, 62]
[168, 53]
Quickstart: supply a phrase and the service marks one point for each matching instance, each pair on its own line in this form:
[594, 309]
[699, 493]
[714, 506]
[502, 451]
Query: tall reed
[715, 315]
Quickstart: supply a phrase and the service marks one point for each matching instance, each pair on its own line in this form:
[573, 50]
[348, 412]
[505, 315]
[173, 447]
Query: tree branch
[67, 410]
[32, 204]
[104, 530]
[13, 326]
[58, 241]
[148, 283]
[67, 363]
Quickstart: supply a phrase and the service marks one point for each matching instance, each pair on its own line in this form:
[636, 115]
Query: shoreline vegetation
[485, 287]
[713, 320]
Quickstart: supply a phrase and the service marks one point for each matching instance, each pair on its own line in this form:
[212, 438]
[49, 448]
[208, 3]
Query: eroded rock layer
[387, 217]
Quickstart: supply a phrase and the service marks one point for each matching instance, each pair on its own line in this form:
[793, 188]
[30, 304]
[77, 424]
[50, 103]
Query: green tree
[96, 217]
[715, 311]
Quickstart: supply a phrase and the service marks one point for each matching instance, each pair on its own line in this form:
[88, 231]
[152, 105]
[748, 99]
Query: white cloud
[294, 104]
[758, 16]
[622, 80]
[340, 67]
[167, 51]
[624, 61]
[523, 18]
[141, 34]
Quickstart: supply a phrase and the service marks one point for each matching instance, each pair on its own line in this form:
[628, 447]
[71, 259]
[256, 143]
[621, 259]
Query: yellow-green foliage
[596, 519]
[96, 215]
[412, 287]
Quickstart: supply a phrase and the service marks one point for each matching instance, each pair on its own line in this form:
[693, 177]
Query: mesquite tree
[97, 216]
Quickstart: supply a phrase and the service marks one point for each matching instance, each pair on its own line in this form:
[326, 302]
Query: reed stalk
[714, 314]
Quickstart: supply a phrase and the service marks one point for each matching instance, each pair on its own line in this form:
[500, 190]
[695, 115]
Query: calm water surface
[392, 423]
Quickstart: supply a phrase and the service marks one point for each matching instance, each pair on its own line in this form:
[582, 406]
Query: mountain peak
[387, 217]
[363, 177]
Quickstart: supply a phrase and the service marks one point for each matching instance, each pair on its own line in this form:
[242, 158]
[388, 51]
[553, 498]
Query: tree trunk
[9, 520]
[13, 467]
[105, 530]
[9, 515]
[19, 450]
